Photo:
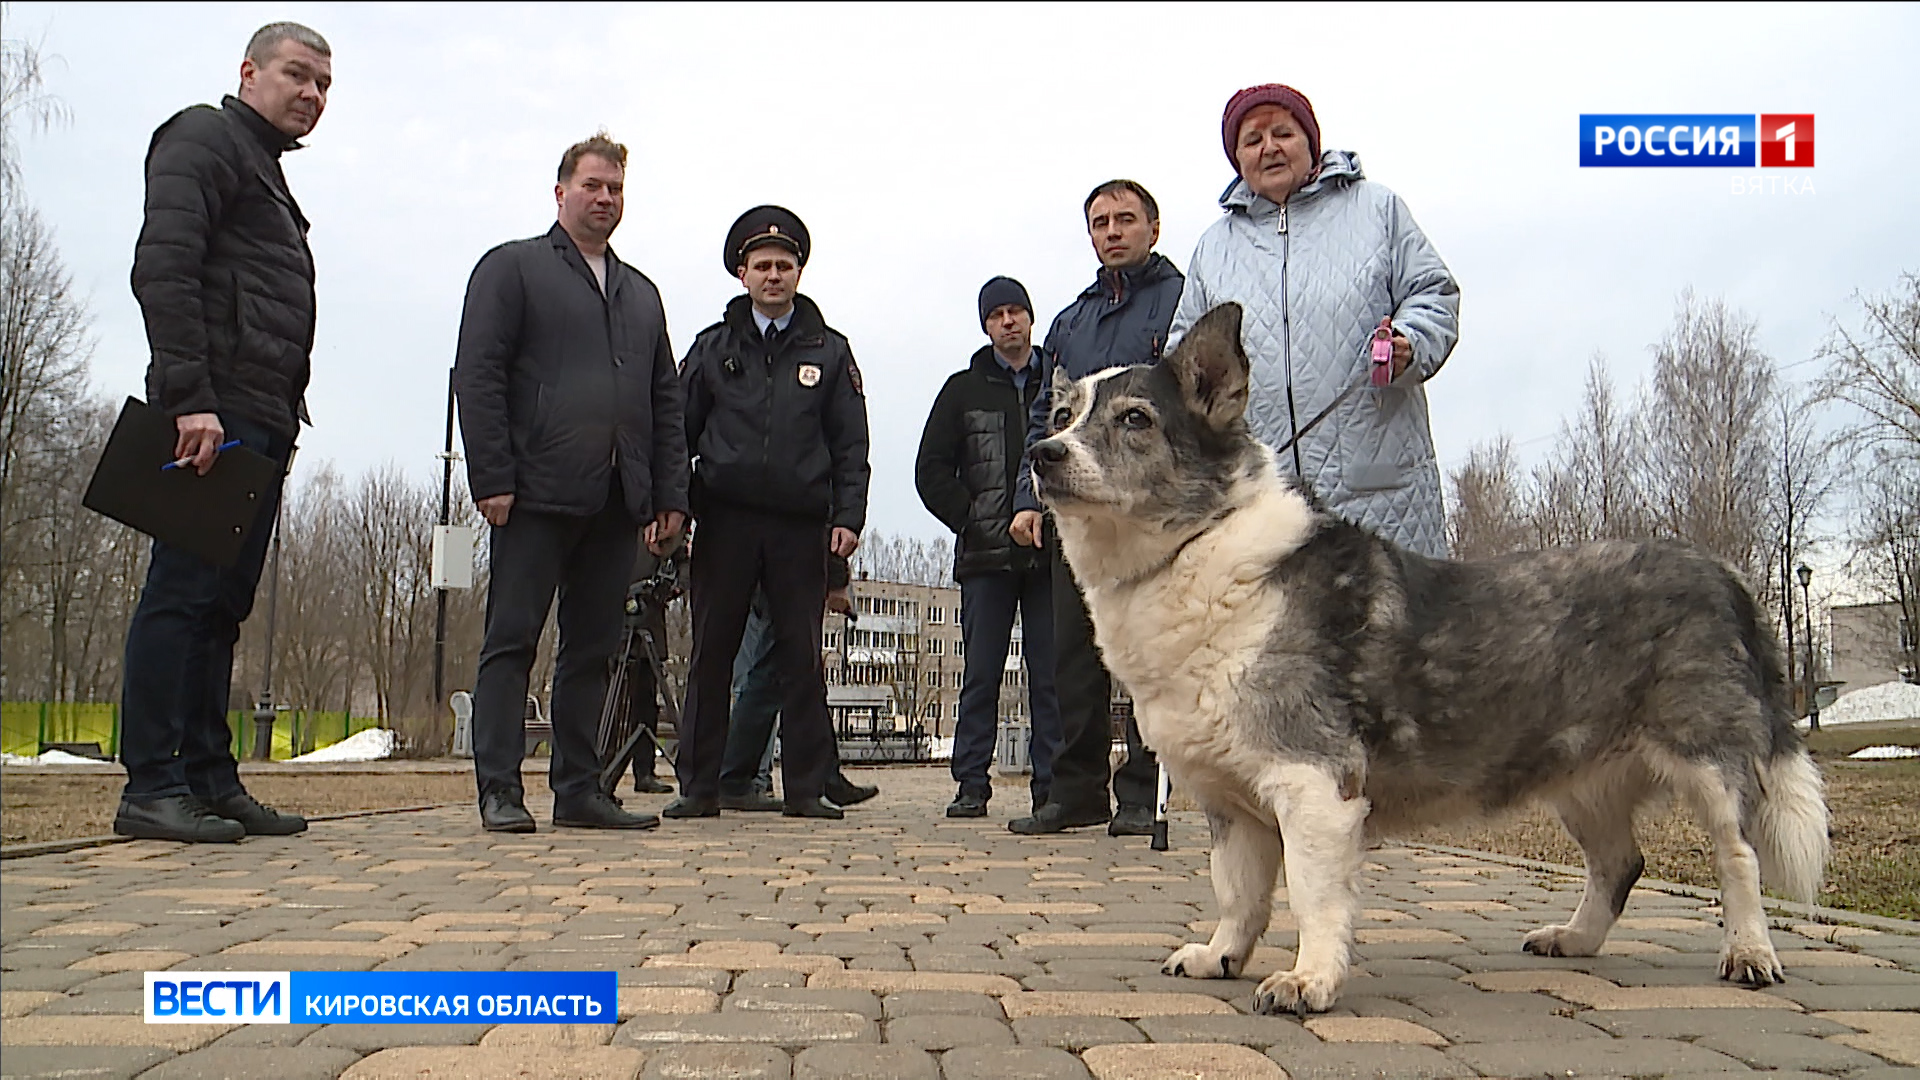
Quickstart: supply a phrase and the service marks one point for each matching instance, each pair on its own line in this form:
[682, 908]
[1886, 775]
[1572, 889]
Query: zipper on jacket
[766, 433]
[1286, 340]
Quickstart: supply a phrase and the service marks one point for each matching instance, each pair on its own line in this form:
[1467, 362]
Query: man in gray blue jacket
[1120, 320]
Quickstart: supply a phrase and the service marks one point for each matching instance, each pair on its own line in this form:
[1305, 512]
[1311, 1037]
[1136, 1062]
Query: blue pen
[225, 446]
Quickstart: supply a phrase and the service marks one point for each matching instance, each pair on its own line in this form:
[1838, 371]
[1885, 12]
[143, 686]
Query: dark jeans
[587, 559]
[748, 762]
[1081, 771]
[987, 606]
[735, 551]
[174, 738]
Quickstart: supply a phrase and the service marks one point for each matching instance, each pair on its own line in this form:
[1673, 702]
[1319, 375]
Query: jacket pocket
[1375, 476]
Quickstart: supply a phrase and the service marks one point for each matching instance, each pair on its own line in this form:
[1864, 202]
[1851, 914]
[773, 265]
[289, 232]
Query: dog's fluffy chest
[1183, 639]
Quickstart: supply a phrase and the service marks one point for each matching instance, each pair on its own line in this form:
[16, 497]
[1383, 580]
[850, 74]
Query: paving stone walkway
[899, 944]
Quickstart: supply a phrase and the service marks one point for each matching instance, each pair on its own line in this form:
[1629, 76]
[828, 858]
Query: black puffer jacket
[785, 432]
[222, 270]
[971, 456]
[558, 380]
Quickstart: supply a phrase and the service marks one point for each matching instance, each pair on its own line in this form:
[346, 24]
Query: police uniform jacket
[560, 385]
[781, 429]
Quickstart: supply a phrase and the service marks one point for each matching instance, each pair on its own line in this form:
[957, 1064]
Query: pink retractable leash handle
[1383, 353]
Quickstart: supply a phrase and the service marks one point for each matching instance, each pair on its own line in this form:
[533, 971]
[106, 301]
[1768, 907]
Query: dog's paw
[1296, 991]
[1751, 965]
[1198, 961]
[1558, 941]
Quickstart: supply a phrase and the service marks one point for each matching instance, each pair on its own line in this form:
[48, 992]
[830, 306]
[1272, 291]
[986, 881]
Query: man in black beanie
[968, 474]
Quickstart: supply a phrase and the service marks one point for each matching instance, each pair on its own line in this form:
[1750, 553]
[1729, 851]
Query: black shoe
[596, 811]
[844, 792]
[815, 807]
[687, 806]
[176, 817]
[652, 785]
[504, 811]
[1131, 821]
[258, 820]
[968, 804]
[752, 801]
[1053, 818]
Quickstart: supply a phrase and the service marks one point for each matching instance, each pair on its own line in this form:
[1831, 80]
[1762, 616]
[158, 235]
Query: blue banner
[455, 997]
[1667, 140]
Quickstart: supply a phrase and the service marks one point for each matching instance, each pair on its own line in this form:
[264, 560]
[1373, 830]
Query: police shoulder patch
[853, 376]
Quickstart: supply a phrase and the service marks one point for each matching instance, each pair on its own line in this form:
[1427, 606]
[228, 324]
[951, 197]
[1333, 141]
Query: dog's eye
[1061, 417]
[1136, 419]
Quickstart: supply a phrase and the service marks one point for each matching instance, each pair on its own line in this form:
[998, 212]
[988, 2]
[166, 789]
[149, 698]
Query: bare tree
[909, 559]
[24, 101]
[1875, 368]
[1489, 513]
[1802, 482]
[1709, 448]
[1886, 553]
[1597, 468]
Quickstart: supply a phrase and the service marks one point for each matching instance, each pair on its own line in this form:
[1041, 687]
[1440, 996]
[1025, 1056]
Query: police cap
[764, 225]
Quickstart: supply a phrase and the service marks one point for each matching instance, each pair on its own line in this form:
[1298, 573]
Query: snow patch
[373, 744]
[1888, 701]
[51, 757]
[1883, 753]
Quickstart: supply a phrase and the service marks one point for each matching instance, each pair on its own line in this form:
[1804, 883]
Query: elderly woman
[1318, 256]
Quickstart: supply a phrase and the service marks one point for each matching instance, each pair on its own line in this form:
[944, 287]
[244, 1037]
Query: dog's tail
[1788, 828]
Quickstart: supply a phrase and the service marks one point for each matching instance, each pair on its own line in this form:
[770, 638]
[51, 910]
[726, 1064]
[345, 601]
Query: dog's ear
[1061, 390]
[1211, 367]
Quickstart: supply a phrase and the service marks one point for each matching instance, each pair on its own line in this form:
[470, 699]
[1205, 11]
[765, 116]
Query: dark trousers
[987, 606]
[174, 738]
[587, 559]
[735, 550]
[756, 705]
[1081, 771]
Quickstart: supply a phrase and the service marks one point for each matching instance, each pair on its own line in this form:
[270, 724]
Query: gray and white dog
[1314, 685]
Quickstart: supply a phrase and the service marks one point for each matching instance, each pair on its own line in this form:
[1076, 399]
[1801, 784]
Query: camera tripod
[620, 731]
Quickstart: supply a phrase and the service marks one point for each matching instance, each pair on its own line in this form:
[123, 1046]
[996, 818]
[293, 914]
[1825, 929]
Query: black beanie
[1002, 290]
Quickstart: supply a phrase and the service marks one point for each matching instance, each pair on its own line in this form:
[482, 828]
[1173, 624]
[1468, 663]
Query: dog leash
[1317, 417]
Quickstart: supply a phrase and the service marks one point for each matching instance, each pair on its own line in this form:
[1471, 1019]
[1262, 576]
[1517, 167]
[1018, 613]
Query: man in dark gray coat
[1121, 319]
[225, 283]
[570, 410]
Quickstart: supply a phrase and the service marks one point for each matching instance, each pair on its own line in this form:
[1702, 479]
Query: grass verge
[1876, 842]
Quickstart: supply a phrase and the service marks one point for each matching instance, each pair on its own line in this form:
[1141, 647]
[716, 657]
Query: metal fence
[27, 728]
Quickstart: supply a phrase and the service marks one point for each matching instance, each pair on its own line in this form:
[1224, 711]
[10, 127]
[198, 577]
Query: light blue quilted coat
[1315, 277]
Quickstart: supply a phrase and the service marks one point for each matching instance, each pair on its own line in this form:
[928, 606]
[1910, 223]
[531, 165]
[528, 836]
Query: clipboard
[210, 516]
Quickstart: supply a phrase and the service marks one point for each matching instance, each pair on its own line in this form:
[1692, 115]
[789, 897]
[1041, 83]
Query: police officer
[777, 424]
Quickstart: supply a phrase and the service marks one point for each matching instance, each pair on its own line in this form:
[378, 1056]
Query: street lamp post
[263, 715]
[1805, 574]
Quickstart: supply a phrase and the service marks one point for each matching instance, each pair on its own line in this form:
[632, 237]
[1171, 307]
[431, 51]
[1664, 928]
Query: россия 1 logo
[1696, 140]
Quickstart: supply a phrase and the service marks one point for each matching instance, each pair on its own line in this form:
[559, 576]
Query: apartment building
[906, 638]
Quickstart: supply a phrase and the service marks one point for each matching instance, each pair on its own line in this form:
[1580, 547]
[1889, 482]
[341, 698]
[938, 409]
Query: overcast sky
[929, 148]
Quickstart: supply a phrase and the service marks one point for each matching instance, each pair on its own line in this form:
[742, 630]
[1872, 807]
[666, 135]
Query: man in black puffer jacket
[225, 282]
[777, 424]
[971, 456]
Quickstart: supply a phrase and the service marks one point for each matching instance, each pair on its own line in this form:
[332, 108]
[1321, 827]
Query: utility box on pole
[453, 557]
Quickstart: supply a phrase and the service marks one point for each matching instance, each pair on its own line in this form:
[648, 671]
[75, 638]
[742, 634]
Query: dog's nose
[1048, 452]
